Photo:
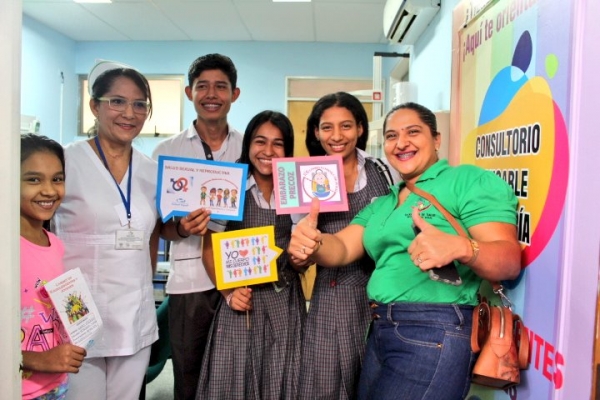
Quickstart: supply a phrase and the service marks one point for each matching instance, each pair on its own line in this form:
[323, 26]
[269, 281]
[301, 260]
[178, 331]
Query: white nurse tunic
[87, 220]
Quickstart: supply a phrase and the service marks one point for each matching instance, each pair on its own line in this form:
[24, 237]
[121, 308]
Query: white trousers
[110, 378]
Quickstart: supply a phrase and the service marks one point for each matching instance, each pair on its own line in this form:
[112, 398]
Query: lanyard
[207, 151]
[126, 200]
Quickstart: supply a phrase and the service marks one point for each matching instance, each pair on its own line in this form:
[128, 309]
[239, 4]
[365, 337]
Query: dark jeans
[418, 351]
[190, 316]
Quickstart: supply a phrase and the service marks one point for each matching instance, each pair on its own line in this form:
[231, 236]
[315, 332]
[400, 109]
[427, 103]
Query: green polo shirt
[471, 194]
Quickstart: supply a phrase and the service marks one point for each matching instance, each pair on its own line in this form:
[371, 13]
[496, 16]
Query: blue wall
[262, 69]
[45, 54]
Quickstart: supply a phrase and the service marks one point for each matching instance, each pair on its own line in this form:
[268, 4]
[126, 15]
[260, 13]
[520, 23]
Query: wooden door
[298, 112]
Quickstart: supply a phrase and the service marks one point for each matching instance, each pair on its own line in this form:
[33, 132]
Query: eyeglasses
[119, 104]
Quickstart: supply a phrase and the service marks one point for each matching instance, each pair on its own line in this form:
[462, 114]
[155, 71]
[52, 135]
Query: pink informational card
[298, 179]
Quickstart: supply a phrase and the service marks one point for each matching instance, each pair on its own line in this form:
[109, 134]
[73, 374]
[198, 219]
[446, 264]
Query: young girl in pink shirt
[47, 355]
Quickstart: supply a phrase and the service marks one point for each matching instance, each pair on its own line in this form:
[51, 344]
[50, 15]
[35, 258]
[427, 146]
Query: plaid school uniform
[334, 338]
[263, 361]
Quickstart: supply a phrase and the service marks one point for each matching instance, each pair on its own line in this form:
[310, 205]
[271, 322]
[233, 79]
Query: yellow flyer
[245, 257]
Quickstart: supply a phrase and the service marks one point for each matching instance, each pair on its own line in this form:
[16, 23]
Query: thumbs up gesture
[431, 247]
[420, 223]
[312, 219]
[306, 238]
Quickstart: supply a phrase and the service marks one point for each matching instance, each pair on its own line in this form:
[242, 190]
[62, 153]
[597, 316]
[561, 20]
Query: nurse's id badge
[129, 239]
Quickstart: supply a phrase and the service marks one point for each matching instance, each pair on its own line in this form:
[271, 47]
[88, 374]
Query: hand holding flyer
[75, 306]
[187, 184]
[298, 180]
[245, 257]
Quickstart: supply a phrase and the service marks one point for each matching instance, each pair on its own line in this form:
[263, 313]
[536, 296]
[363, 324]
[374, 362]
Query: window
[167, 102]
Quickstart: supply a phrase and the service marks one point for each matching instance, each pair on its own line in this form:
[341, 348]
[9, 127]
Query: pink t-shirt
[41, 328]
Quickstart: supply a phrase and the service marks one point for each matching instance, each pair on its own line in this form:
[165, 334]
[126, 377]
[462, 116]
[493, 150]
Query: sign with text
[187, 184]
[298, 180]
[511, 111]
[245, 257]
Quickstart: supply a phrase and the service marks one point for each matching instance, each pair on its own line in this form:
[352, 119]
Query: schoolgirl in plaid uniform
[333, 342]
[259, 360]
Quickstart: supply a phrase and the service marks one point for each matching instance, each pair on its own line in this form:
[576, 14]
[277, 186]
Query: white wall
[431, 60]
[579, 289]
[10, 56]
[262, 69]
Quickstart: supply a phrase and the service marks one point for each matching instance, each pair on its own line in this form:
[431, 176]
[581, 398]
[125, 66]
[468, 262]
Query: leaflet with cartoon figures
[75, 306]
[245, 257]
[187, 184]
[298, 180]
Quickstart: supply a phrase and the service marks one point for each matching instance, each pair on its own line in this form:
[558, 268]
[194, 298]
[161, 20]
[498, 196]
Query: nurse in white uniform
[108, 223]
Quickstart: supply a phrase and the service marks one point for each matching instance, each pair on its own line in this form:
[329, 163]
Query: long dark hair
[276, 118]
[339, 99]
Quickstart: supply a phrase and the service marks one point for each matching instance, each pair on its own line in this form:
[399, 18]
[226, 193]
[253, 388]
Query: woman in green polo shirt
[419, 345]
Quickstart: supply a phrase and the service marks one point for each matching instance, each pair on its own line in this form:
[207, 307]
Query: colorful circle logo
[522, 137]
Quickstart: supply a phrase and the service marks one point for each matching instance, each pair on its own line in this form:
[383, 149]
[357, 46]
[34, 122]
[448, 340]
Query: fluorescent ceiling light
[92, 1]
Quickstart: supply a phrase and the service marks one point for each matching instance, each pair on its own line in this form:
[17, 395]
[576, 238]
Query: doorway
[303, 92]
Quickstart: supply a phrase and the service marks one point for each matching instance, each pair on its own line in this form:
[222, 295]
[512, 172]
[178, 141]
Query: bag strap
[383, 169]
[457, 227]
[481, 326]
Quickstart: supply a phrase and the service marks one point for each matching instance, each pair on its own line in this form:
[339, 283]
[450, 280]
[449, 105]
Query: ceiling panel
[216, 21]
[72, 20]
[47, 1]
[279, 22]
[137, 20]
[354, 21]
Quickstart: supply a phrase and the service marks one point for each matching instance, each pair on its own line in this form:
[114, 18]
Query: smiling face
[267, 143]
[409, 144]
[119, 127]
[338, 132]
[42, 187]
[212, 95]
